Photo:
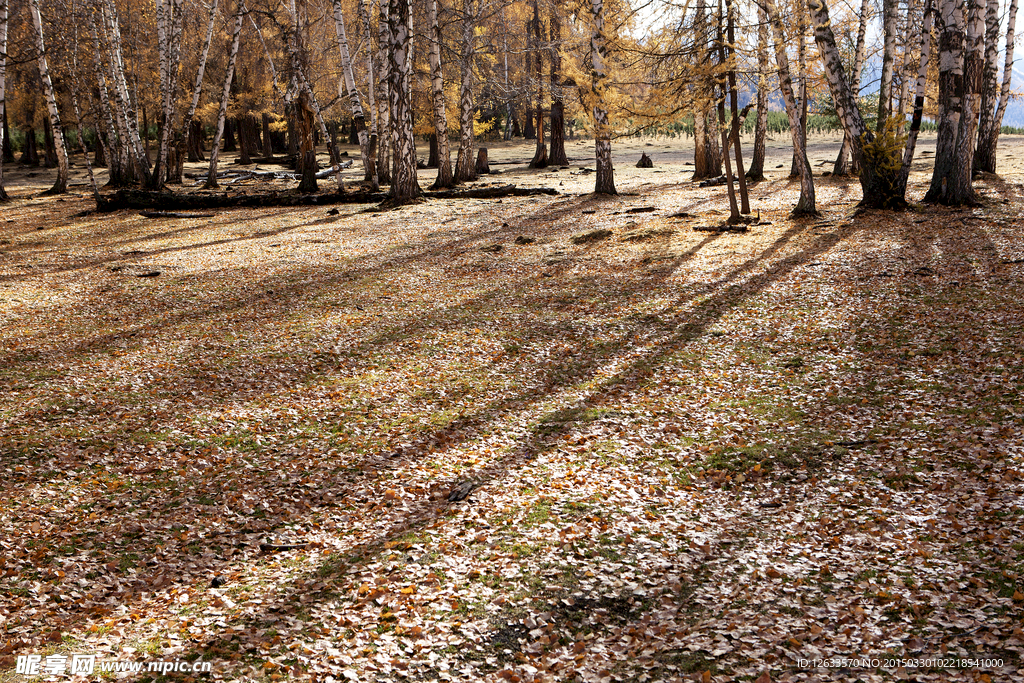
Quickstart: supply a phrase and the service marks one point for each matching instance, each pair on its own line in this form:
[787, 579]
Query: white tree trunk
[445, 178]
[119, 157]
[384, 147]
[197, 91]
[465, 165]
[920, 89]
[842, 165]
[61, 184]
[126, 111]
[225, 97]
[888, 59]
[807, 203]
[951, 91]
[605, 183]
[4, 13]
[404, 183]
[913, 35]
[961, 191]
[347, 88]
[171, 54]
[985, 158]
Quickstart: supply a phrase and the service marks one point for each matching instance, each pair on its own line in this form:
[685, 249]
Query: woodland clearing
[689, 455]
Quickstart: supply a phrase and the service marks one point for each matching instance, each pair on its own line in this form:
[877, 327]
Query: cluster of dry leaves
[688, 455]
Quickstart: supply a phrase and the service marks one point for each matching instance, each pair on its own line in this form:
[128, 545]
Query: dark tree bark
[482, 167]
[557, 157]
[432, 155]
[30, 154]
[8, 150]
[268, 139]
[99, 157]
[49, 148]
[229, 136]
[540, 157]
[195, 141]
[307, 151]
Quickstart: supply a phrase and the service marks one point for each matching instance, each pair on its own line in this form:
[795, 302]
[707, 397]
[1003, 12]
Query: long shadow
[694, 324]
[544, 431]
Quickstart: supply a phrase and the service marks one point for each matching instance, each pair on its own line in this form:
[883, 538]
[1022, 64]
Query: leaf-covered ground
[693, 455]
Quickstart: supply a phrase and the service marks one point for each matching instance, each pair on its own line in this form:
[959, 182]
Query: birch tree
[404, 184]
[985, 155]
[169, 34]
[60, 186]
[919, 93]
[888, 59]
[445, 178]
[225, 96]
[756, 170]
[951, 92]
[879, 160]
[465, 165]
[347, 89]
[842, 165]
[181, 139]
[959, 189]
[605, 183]
[806, 203]
[385, 155]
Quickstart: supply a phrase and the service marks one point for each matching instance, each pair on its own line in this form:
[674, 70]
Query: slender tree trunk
[951, 95]
[985, 158]
[960, 190]
[707, 158]
[225, 97]
[404, 184]
[445, 177]
[169, 48]
[349, 89]
[7, 151]
[127, 114]
[605, 183]
[734, 209]
[989, 91]
[540, 157]
[182, 135]
[4, 134]
[806, 203]
[307, 147]
[465, 166]
[364, 21]
[888, 58]
[801, 53]
[912, 34]
[557, 157]
[843, 166]
[919, 94]
[756, 171]
[385, 155]
[60, 186]
[734, 108]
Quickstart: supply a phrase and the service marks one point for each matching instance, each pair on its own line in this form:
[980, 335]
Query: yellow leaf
[408, 590]
[706, 677]
[1018, 596]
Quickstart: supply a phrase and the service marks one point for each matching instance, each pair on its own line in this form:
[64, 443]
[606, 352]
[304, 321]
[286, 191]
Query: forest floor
[688, 455]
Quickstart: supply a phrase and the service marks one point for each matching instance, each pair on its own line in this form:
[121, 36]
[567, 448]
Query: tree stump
[645, 161]
[482, 167]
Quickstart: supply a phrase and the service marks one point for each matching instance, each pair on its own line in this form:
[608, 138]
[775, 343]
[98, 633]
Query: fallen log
[173, 214]
[171, 201]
